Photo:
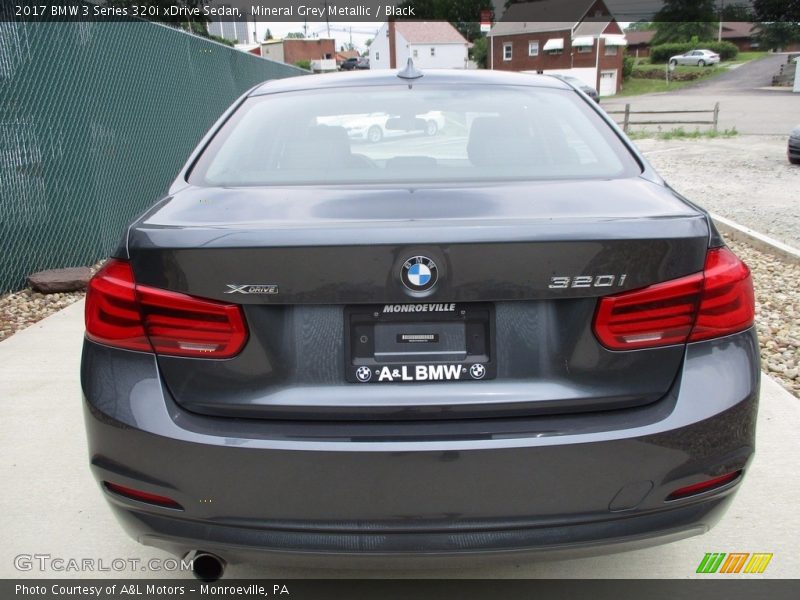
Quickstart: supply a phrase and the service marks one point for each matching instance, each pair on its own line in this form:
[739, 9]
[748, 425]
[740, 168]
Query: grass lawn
[744, 57]
[634, 86]
[681, 134]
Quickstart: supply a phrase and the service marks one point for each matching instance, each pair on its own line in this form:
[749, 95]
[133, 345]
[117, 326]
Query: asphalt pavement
[747, 103]
[52, 506]
[750, 77]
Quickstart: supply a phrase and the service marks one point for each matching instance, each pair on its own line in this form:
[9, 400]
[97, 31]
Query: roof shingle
[429, 32]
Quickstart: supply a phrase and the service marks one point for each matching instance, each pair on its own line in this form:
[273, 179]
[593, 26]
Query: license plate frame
[420, 342]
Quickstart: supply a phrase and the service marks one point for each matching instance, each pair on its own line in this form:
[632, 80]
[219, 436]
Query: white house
[432, 45]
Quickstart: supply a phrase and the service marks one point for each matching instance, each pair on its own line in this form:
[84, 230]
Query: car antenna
[410, 72]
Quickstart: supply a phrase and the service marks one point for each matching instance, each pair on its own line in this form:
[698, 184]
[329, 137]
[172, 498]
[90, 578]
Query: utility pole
[721, 8]
[327, 22]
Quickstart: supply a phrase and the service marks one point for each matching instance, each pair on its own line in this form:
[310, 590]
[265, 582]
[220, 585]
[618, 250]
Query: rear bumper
[331, 548]
[582, 483]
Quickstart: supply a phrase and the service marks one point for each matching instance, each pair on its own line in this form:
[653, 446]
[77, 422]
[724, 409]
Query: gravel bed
[777, 286]
[744, 178]
[21, 309]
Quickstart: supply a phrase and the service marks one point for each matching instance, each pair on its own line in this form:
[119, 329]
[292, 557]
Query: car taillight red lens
[112, 313]
[123, 314]
[728, 302]
[719, 301]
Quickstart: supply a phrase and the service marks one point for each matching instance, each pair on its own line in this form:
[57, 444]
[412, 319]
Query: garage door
[608, 82]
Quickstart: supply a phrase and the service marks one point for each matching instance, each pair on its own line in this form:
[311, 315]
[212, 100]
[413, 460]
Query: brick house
[291, 50]
[590, 48]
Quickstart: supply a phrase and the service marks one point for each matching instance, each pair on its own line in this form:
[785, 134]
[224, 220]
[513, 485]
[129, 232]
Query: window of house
[415, 53]
[433, 51]
[507, 51]
[584, 49]
[533, 48]
[611, 50]
[377, 56]
[557, 51]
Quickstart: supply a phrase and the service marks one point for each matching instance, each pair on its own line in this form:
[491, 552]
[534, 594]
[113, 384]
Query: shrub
[658, 73]
[627, 66]
[303, 64]
[663, 52]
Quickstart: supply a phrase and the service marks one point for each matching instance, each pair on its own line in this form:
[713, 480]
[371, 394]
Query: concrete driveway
[51, 504]
[744, 102]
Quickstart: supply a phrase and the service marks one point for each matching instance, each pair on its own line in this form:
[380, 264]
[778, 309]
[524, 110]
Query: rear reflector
[141, 496]
[122, 314]
[717, 302]
[704, 486]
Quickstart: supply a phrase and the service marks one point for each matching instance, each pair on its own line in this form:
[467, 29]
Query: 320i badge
[486, 328]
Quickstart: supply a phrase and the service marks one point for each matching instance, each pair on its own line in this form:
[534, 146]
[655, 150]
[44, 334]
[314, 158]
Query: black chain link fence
[95, 121]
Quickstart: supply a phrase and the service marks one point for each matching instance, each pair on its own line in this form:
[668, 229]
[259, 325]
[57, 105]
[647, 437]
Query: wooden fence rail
[626, 120]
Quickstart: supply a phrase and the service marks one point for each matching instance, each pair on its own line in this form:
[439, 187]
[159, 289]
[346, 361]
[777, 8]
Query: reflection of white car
[372, 126]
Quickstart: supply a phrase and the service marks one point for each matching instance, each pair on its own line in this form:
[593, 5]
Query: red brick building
[590, 48]
[291, 50]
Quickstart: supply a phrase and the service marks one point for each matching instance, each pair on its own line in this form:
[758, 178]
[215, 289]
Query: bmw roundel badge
[419, 273]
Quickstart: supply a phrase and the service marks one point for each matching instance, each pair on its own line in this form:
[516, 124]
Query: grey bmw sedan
[510, 338]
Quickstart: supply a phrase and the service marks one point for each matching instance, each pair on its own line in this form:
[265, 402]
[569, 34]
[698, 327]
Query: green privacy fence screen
[96, 119]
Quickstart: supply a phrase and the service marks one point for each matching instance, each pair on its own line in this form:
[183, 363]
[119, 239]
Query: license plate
[419, 343]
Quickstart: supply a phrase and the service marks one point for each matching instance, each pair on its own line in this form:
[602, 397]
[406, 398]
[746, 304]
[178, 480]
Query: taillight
[728, 301]
[717, 302]
[112, 313]
[123, 314]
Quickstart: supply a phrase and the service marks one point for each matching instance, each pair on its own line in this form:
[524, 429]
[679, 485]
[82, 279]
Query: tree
[776, 35]
[777, 10]
[641, 26]
[737, 12]
[268, 35]
[681, 20]
[295, 35]
[480, 52]
[464, 15]
[778, 22]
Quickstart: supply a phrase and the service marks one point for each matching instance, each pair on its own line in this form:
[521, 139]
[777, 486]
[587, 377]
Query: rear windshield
[385, 134]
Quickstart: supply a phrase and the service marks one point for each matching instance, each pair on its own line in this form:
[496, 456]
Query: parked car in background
[793, 148]
[584, 87]
[355, 63]
[696, 58]
[512, 338]
[349, 63]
